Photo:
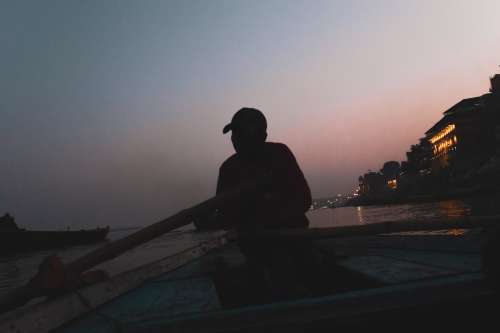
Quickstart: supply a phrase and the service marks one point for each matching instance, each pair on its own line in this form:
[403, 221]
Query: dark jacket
[282, 203]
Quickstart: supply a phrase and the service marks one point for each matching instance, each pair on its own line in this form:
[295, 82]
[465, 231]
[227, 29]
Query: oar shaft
[22, 295]
[115, 248]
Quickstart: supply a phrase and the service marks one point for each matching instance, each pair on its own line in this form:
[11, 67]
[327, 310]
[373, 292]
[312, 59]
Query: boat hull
[383, 280]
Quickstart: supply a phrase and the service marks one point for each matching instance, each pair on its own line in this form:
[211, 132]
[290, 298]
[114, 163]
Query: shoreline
[459, 193]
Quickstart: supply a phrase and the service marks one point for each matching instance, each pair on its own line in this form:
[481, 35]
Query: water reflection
[456, 232]
[359, 211]
[484, 206]
[373, 214]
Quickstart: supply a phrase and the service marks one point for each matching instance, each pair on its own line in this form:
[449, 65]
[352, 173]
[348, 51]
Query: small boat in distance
[14, 239]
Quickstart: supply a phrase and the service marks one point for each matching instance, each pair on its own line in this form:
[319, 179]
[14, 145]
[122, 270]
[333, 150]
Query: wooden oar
[37, 286]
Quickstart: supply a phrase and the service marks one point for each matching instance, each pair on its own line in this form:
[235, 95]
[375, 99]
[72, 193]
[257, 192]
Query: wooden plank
[391, 271]
[395, 258]
[45, 316]
[458, 263]
[229, 255]
[466, 222]
[468, 243]
[155, 299]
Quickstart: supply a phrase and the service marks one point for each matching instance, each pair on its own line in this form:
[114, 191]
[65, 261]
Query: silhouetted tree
[390, 170]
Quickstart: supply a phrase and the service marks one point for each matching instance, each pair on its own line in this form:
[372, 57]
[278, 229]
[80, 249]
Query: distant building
[372, 183]
[391, 170]
[466, 135]
[463, 145]
[495, 84]
[494, 105]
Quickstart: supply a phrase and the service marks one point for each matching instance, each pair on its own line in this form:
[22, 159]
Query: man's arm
[298, 193]
[226, 217]
[289, 197]
[221, 217]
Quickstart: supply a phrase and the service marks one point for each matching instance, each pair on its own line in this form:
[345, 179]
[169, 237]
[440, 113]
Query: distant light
[444, 132]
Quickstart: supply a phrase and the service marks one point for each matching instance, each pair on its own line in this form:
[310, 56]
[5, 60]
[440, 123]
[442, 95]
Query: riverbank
[397, 198]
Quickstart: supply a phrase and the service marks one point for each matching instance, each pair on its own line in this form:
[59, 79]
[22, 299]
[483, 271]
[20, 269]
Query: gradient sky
[111, 112]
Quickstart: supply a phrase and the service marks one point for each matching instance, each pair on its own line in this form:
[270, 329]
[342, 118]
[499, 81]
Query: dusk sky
[111, 112]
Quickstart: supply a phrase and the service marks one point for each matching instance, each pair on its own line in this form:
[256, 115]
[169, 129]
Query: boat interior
[403, 276]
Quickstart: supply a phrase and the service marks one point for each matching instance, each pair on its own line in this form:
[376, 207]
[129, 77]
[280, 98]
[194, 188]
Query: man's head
[248, 128]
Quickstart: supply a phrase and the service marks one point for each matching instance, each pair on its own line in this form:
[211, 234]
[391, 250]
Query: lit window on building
[444, 132]
[443, 142]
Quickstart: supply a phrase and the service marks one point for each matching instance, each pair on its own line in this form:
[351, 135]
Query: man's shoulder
[230, 162]
[277, 146]
[274, 149]
[278, 149]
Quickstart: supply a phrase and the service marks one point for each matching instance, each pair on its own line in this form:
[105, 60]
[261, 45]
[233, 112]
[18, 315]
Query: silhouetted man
[280, 203]
[284, 199]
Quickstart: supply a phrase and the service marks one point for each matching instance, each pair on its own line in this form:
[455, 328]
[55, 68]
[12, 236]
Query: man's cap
[247, 118]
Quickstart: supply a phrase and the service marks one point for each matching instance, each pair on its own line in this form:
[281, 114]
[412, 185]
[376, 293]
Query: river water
[15, 270]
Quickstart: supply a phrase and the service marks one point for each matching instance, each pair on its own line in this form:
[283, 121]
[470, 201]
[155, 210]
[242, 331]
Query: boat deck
[369, 280]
